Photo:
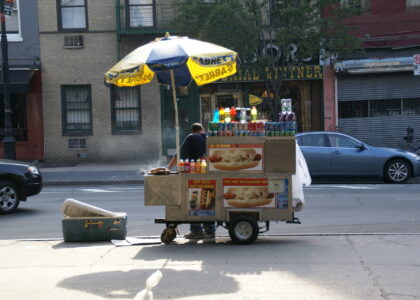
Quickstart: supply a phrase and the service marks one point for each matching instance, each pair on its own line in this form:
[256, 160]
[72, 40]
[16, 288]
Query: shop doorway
[188, 112]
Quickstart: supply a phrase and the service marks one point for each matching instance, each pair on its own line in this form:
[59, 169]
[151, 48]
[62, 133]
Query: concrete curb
[95, 182]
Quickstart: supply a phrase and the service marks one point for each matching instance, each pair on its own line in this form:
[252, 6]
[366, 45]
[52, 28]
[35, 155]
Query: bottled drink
[216, 116]
[192, 166]
[221, 114]
[248, 114]
[181, 166]
[233, 113]
[203, 166]
[292, 123]
[227, 114]
[243, 115]
[238, 111]
[254, 114]
[187, 166]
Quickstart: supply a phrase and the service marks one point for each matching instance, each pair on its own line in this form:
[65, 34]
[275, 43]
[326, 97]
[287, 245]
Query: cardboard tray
[87, 229]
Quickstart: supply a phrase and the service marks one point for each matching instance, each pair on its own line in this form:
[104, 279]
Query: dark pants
[209, 227]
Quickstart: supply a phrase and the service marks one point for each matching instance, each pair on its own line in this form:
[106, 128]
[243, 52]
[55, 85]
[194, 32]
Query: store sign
[284, 73]
[416, 62]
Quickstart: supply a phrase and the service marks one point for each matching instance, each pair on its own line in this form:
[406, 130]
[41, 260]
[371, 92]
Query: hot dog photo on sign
[242, 193]
[241, 157]
[201, 198]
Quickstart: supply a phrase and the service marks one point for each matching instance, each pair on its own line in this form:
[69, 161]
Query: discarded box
[88, 223]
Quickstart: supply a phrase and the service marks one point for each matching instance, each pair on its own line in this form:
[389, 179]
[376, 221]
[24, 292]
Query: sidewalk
[110, 173]
[94, 173]
[344, 267]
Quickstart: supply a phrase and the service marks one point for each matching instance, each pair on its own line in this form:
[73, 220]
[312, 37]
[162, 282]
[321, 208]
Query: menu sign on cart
[235, 157]
[247, 193]
[201, 197]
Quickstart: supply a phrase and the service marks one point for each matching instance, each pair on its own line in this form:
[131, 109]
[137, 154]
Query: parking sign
[416, 62]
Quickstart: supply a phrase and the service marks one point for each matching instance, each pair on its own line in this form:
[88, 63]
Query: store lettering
[278, 73]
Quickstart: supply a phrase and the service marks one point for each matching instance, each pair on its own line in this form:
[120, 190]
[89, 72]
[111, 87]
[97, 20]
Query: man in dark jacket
[193, 148]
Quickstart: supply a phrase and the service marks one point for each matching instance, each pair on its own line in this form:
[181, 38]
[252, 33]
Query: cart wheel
[168, 235]
[243, 230]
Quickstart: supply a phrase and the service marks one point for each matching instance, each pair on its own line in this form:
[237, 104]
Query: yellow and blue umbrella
[175, 61]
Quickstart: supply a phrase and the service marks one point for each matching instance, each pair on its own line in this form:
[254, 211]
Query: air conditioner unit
[73, 41]
[76, 144]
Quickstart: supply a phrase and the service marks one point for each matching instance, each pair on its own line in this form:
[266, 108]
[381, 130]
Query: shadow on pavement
[218, 263]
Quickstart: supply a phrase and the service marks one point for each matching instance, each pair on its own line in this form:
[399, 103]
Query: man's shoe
[195, 235]
[209, 234]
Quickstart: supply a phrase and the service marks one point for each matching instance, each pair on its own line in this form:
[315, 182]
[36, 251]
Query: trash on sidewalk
[151, 282]
[138, 240]
[83, 222]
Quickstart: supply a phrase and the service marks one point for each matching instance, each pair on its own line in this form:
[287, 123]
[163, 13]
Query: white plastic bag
[151, 282]
[299, 180]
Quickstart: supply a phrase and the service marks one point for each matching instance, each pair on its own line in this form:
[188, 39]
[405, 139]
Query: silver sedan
[338, 154]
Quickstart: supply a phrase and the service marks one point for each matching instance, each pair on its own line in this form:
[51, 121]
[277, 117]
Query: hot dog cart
[237, 195]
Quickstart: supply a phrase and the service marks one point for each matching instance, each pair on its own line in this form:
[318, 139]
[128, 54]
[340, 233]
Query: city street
[330, 208]
[355, 242]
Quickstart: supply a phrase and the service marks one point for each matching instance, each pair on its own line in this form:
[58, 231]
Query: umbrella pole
[176, 117]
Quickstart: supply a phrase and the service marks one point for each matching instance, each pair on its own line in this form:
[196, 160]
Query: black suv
[18, 180]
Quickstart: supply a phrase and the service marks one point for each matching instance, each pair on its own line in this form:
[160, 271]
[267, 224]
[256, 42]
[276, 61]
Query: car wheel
[397, 171]
[243, 230]
[9, 197]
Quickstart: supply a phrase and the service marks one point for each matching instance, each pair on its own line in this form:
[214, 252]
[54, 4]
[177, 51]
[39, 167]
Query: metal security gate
[386, 130]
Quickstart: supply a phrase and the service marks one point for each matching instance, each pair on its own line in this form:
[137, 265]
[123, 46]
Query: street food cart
[253, 184]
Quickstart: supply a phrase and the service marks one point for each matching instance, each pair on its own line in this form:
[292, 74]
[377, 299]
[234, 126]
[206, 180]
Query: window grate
[76, 144]
[73, 41]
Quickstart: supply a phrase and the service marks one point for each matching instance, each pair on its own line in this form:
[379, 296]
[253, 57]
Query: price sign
[416, 62]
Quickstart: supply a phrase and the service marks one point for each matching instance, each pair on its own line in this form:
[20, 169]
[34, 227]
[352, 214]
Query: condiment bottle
[221, 114]
[187, 166]
[181, 165]
[192, 166]
[227, 114]
[254, 114]
[203, 166]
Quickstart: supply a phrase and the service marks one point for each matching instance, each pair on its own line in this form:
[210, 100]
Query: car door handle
[336, 152]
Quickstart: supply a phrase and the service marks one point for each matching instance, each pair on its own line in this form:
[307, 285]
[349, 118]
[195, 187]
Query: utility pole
[9, 141]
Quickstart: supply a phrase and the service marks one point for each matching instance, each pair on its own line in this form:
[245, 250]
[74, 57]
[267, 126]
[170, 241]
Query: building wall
[87, 66]
[389, 23]
[26, 51]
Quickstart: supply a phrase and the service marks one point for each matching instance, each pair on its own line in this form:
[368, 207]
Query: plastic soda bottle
[221, 114]
[254, 114]
[233, 113]
[181, 166]
[227, 114]
[292, 123]
[203, 166]
[216, 116]
[187, 166]
[243, 115]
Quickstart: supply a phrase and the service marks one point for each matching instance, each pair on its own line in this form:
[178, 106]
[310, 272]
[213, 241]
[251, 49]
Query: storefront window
[353, 109]
[378, 108]
[388, 107]
[411, 106]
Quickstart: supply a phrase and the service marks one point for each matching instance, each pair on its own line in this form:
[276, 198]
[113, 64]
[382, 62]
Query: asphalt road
[329, 209]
